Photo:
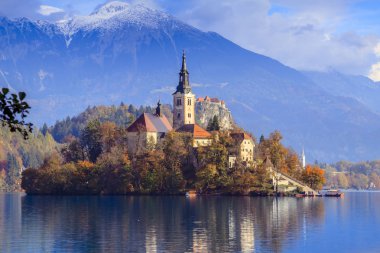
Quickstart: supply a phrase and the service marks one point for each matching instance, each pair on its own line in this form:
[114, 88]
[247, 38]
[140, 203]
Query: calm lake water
[177, 224]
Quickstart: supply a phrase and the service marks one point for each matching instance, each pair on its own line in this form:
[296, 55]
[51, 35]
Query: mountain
[359, 88]
[130, 53]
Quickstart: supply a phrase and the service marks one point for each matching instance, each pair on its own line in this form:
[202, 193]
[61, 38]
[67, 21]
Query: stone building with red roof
[201, 137]
[244, 148]
[147, 130]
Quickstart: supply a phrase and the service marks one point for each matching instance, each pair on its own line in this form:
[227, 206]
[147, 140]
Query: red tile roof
[194, 129]
[148, 122]
[240, 136]
[208, 99]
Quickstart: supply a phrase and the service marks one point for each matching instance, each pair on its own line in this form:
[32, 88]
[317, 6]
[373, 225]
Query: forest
[350, 175]
[16, 154]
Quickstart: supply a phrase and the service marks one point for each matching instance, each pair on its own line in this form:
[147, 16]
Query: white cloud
[304, 34]
[377, 49]
[48, 10]
[374, 73]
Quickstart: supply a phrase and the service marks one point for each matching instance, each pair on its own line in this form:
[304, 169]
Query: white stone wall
[138, 141]
[183, 113]
[202, 142]
[246, 150]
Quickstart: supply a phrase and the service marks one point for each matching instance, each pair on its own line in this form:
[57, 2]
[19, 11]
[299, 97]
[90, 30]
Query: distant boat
[334, 193]
[191, 194]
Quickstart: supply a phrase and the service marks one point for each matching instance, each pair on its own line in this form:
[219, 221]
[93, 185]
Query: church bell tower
[183, 99]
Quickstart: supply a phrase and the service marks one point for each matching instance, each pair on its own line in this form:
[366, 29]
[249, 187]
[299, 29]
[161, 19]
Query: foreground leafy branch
[13, 111]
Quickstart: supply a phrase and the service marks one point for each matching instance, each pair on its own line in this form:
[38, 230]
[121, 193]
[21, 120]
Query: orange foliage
[314, 176]
[86, 164]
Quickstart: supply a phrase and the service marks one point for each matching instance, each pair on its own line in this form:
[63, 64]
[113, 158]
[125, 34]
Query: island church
[150, 128]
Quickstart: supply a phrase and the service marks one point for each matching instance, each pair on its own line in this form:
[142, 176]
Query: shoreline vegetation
[97, 163]
[17, 153]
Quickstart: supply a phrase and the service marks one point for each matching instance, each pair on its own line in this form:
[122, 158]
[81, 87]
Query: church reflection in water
[155, 224]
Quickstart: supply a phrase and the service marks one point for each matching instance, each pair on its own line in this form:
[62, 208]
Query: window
[189, 101]
[178, 115]
[189, 115]
[179, 101]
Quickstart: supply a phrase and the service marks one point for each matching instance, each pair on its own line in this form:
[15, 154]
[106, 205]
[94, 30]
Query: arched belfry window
[179, 101]
[189, 101]
[178, 115]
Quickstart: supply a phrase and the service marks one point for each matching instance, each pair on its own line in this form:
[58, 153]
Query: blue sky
[343, 35]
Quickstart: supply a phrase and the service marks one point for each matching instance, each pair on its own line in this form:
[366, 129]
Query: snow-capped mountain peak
[111, 16]
[111, 8]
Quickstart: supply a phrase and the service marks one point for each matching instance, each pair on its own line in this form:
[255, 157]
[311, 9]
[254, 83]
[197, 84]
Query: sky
[310, 35]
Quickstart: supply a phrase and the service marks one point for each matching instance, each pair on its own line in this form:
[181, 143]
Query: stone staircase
[281, 177]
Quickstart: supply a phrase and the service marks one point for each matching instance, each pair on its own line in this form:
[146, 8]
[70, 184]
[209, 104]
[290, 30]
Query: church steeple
[183, 99]
[183, 84]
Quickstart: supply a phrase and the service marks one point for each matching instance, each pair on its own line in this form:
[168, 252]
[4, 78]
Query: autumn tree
[375, 180]
[176, 148]
[342, 181]
[213, 166]
[149, 172]
[90, 140]
[73, 151]
[108, 135]
[115, 172]
[314, 177]
[241, 179]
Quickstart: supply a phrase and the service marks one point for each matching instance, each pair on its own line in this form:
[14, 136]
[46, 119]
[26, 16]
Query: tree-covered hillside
[360, 175]
[122, 115]
[16, 154]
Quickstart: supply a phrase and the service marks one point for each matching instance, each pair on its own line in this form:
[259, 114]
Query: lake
[177, 224]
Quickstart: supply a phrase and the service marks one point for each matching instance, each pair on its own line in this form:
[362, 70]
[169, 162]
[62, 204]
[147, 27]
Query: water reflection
[155, 224]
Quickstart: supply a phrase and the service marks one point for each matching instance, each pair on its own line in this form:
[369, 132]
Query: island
[158, 155]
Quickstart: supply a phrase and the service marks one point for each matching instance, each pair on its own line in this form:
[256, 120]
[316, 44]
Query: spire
[158, 109]
[184, 67]
[303, 158]
[183, 84]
